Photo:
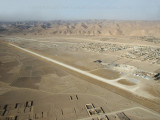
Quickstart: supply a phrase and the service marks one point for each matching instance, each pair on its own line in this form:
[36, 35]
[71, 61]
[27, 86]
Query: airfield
[76, 78]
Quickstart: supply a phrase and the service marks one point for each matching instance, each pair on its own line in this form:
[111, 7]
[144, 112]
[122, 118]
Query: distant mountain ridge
[88, 27]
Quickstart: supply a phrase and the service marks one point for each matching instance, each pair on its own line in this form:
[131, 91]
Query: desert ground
[80, 76]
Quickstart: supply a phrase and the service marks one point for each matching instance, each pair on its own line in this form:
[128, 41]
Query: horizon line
[63, 20]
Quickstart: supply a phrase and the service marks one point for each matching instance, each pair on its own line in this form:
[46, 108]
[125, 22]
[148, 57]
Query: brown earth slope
[92, 27]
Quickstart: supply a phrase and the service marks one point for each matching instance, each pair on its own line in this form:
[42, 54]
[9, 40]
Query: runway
[111, 82]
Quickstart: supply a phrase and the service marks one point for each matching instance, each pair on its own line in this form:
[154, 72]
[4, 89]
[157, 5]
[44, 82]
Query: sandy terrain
[79, 77]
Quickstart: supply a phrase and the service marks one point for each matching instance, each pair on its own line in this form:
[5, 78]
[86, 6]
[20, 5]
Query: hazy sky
[79, 9]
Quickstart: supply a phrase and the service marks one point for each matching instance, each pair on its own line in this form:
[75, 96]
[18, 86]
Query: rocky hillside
[104, 28]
